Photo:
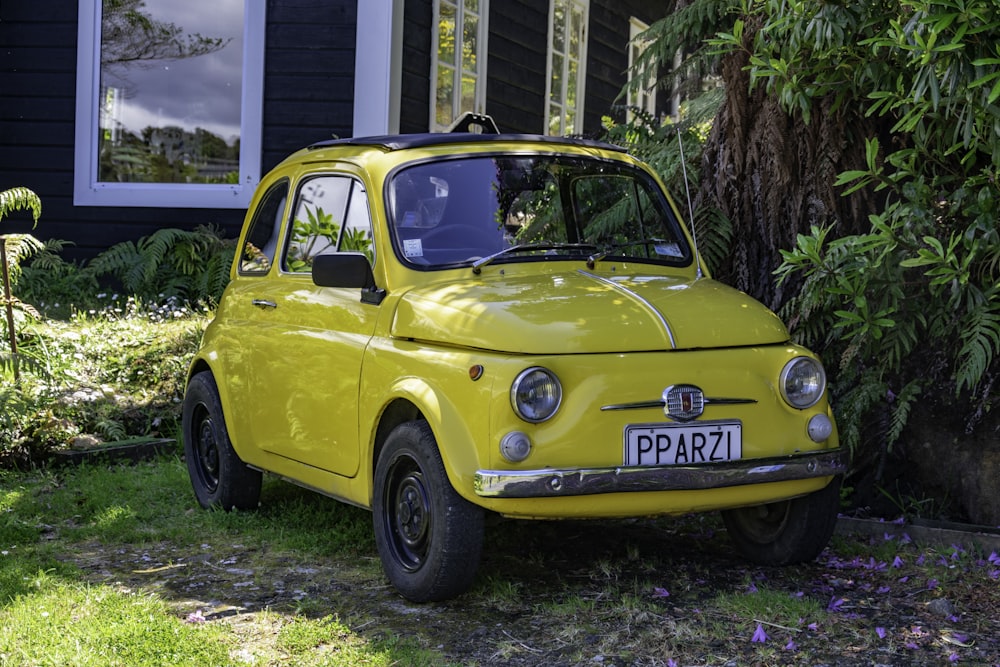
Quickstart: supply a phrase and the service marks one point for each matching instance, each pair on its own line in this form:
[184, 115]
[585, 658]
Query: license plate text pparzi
[682, 444]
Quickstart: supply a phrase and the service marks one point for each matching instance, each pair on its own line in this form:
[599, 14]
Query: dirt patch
[601, 593]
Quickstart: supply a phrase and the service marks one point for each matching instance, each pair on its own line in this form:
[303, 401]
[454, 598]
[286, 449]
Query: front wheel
[429, 538]
[786, 532]
[219, 477]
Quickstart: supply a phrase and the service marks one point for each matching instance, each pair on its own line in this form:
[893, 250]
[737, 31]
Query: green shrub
[914, 302]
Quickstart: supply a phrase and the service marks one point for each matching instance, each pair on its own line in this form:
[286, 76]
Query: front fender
[440, 388]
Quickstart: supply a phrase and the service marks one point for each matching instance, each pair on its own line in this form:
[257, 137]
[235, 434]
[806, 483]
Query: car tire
[219, 477]
[429, 538]
[786, 532]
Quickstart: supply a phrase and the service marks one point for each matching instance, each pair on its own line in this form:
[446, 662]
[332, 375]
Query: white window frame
[89, 191]
[581, 80]
[481, 58]
[644, 98]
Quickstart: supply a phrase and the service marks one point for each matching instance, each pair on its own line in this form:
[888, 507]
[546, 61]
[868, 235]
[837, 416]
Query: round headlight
[535, 395]
[803, 382]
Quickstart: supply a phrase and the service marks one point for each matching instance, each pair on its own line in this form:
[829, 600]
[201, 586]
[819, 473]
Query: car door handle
[264, 303]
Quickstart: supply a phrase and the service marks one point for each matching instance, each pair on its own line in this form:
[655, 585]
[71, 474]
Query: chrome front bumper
[552, 482]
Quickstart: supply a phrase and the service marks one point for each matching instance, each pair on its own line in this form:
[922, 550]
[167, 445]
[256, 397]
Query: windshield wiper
[478, 265]
[606, 250]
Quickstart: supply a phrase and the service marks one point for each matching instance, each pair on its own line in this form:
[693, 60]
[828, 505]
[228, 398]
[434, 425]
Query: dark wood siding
[308, 96]
[415, 82]
[515, 92]
[607, 56]
[308, 74]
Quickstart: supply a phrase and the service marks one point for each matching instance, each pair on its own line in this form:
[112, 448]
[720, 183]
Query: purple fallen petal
[759, 636]
[880, 632]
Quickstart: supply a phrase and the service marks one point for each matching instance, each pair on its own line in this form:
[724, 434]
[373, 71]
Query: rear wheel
[786, 532]
[429, 538]
[219, 477]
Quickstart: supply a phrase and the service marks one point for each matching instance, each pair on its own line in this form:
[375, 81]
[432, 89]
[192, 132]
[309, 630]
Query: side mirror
[347, 269]
[343, 269]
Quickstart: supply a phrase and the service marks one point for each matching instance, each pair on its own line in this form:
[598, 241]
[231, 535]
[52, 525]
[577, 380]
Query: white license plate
[683, 444]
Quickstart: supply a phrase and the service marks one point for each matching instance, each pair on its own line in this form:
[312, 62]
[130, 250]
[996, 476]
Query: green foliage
[673, 150]
[15, 199]
[56, 286]
[15, 248]
[915, 301]
[319, 233]
[110, 376]
[677, 41]
[193, 264]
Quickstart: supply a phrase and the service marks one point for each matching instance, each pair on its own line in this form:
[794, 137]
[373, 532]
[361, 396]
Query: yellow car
[438, 326]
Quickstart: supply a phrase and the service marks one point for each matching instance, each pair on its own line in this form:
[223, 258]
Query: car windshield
[531, 208]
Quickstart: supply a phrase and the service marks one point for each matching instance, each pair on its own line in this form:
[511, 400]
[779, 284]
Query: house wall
[308, 96]
[607, 55]
[518, 41]
[415, 82]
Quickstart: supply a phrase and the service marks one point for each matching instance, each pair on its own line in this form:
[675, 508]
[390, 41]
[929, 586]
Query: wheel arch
[414, 398]
[201, 365]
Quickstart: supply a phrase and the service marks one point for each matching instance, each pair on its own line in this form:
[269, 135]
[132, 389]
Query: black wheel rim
[764, 523]
[206, 448]
[408, 513]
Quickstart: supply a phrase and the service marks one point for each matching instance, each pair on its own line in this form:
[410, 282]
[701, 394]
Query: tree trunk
[773, 176]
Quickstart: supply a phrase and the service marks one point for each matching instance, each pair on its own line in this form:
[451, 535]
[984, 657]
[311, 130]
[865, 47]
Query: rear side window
[257, 254]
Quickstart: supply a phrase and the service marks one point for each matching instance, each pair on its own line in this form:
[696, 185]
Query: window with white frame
[567, 59]
[641, 82]
[169, 100]
[458, 82]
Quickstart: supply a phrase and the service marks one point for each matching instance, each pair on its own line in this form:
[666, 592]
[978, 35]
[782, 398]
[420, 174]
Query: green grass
[107, 564]
[52, 613]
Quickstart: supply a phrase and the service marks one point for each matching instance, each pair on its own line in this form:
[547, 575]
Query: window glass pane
[262, 238]
[558, 63]
[357, 236]
[559, 27]
[468, 94]
[445, 96]
[576, 32]
[171, 87]
[319, 214]
[555, 119]
[470, 40]
[446, 34]
[472, 6]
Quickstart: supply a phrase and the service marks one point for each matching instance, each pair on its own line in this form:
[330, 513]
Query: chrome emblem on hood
[683, 402]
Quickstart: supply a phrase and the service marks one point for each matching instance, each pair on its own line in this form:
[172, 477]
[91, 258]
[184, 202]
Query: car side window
[258, 250]
[331, 215]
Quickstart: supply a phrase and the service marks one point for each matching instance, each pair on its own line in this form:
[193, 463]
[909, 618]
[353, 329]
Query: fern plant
[14, 249]
[171, 262]
[673, 150]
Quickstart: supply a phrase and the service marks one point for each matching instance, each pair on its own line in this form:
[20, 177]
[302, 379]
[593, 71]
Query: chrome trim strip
[644, 302]
[641, 405]
[553, 483]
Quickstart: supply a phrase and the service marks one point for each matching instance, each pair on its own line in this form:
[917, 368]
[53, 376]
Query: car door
[309, 348]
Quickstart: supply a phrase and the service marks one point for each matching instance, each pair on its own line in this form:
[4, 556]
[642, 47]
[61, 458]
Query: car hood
[580, 312]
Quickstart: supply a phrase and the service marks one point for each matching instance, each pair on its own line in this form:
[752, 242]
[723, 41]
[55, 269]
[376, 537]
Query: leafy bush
[673, 150]
[914, 302]
[171, 262]
[114, 375]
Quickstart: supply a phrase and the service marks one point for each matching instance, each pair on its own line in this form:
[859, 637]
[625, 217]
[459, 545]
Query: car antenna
[687, 191]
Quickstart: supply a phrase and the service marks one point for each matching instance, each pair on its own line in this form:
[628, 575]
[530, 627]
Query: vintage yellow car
[441, 326]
